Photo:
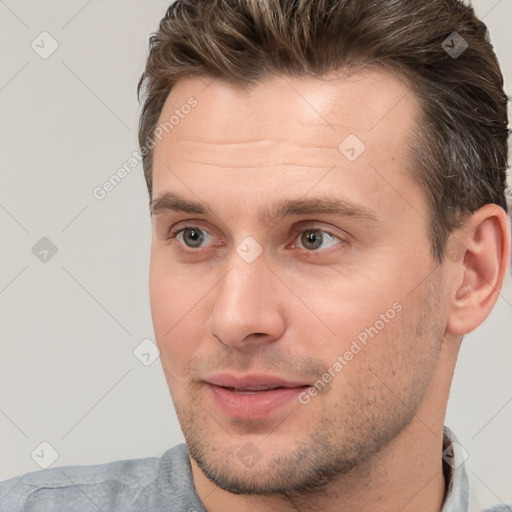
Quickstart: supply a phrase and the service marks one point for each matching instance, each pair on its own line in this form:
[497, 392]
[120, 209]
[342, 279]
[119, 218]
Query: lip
[227, 392]
[231, 381]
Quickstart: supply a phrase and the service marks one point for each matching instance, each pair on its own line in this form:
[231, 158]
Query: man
[327, 189]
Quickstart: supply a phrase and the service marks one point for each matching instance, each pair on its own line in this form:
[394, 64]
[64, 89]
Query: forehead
[298, 110]
[287, 131]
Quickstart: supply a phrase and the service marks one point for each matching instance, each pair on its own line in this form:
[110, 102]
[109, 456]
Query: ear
[478, 257]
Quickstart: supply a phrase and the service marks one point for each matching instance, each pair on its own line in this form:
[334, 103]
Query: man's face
[346, 298]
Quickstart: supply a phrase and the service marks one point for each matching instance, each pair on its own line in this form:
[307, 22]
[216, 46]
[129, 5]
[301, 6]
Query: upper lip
[255, 380]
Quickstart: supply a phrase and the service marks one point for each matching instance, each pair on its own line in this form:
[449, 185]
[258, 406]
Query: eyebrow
[328, 205]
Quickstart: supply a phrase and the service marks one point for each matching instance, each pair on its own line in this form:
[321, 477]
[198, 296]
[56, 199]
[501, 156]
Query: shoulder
[114, 485]
[500, 508]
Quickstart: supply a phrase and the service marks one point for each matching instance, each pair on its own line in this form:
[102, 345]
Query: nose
[248, 309]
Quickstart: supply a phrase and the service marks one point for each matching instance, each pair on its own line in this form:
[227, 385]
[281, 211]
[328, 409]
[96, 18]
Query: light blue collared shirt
[165, 484]
[459, 495]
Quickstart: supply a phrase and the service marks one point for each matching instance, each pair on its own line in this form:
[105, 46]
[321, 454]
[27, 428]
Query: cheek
[376, 334]
[352, 308]
[169, 296]
[179, 328]
[160, 297]
[166, 302]
[373, 371]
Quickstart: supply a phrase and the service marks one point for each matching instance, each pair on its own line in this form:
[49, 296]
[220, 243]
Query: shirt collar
[458, 493]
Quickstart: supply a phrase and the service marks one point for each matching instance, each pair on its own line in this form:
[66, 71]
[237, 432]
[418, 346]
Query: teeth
[254, 389]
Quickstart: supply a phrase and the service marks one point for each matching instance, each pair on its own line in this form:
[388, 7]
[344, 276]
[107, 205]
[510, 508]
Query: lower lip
[252, 406]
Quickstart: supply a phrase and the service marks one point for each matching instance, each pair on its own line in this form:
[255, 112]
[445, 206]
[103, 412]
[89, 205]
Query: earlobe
[483, 253]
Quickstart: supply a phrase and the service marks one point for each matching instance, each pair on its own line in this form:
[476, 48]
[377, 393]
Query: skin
[298, 306]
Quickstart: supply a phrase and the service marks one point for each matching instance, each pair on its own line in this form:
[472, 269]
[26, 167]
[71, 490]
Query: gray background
[69, 326]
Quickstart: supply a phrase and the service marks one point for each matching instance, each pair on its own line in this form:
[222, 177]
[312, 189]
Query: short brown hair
[460, 148]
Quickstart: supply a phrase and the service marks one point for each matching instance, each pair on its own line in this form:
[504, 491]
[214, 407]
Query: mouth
[256, 382]
[251, 390]
[253, 397]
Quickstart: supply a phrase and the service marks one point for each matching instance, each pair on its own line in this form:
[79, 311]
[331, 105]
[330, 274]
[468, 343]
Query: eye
[190, 236]
[312, 239]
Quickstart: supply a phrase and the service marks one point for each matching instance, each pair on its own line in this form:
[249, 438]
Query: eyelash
[189, 251]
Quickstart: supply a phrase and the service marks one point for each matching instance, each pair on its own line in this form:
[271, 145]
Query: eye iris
[195, 235]
[313, 237]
